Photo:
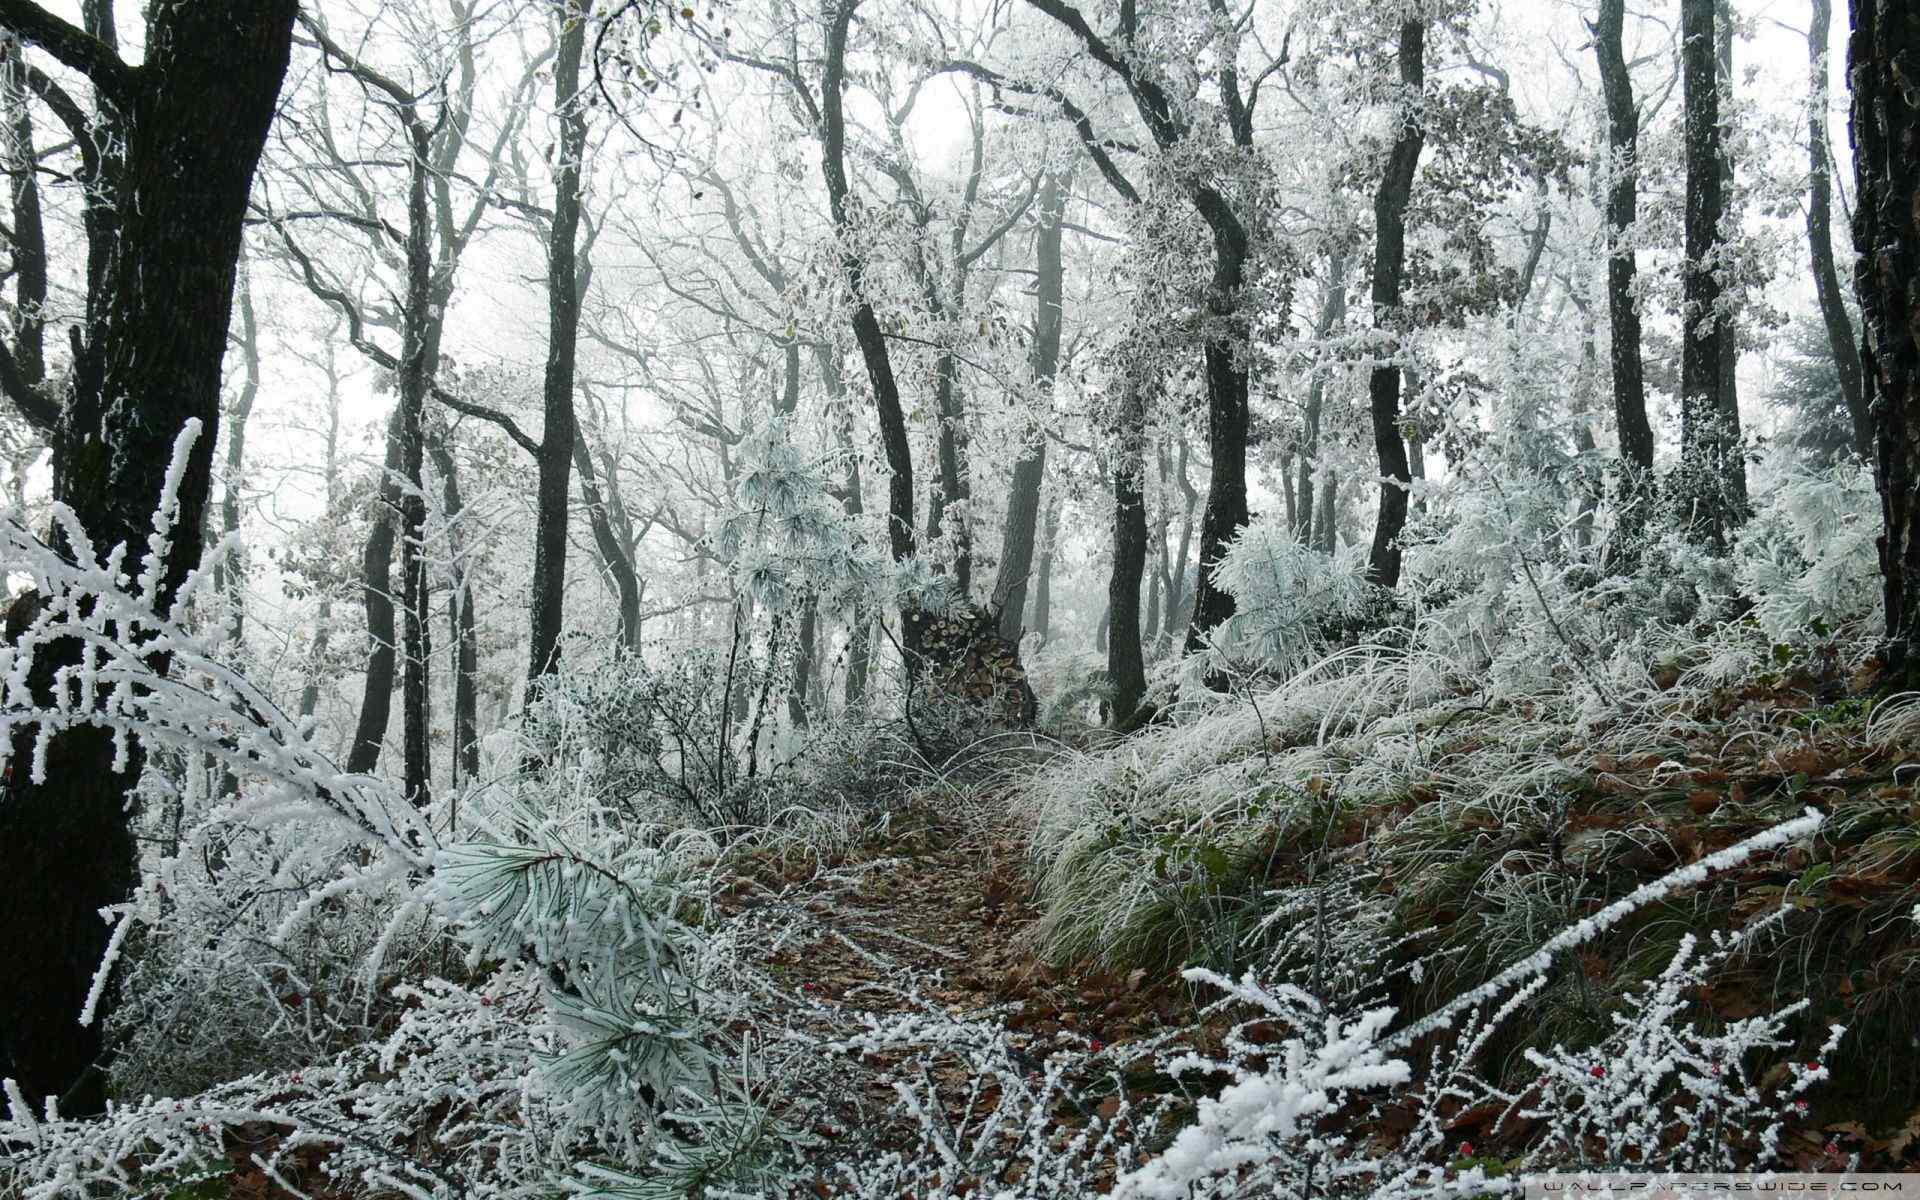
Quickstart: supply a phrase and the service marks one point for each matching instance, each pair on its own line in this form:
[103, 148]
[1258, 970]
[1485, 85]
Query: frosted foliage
[1808, 559]
[1290, 600]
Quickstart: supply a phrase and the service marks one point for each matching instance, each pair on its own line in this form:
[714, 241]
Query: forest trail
[948, 909]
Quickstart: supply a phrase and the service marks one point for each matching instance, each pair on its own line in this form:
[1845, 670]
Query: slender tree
[1389, 267]
[831, 116]
[1711, 487]
[1826, 278]
[1623, 313]
[555, 457]
[1043, 360]
[1126, 665]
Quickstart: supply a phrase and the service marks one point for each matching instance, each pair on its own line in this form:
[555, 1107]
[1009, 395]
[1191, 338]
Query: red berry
[1813, 1066]
[1800, 1106]
[1832, 1149]
[1466, 1149]
[1096, 1045]
[1598, 1072]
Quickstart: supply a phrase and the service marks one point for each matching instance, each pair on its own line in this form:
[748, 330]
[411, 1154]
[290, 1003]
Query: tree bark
[563, 339]
[1623, 314]
[228, 579]
[1043, 587]
[418, 355]
[1179, 599]
[323, 618]
[190, 124]
[615, 557]
[460, 620]
[1711, 487]
[1826, 278]
[1886, 234]
[376, 594]
[1126, 665]
[866, 325]
[1043, 360]
[1333, 311]
[1328, 531]
[1389, 264]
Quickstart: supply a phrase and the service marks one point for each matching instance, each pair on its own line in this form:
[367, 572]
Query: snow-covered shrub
[660, 742]
[1661, 1092]
[1292, 601]
[1298, 1113]
[1807, 560]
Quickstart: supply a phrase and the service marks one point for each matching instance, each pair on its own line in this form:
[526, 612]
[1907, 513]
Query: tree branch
[71, 45]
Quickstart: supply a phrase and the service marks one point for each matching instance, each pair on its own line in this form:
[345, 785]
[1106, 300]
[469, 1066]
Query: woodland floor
[939, 912]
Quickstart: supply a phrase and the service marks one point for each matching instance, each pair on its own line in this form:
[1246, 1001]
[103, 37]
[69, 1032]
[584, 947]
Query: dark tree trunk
[1886, 235]
[376, 594]
[563, 340]
[1711, 487]
[1227, 423]
[1389, 264]
[419, 339]
[1043, 360]
[854, 504]
[191, 122]
[1328, 529]
[1826, 279]
[1730, 330]
[1178, 598]
[229, 574]
[460, 620]
[803, 653]
[29, 245]
[228, 580]
[1126, 665]
[866, 325]
[1623, 314]
[1333, 310]
[1043, 587]
[1225, 351]
[615, 556]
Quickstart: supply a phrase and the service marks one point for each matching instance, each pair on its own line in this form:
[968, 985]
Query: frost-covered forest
[931, 598]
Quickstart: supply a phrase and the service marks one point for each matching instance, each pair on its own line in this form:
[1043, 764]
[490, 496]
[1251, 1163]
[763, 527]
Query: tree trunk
[323, 619]
[190, 124]
[563, 338]
[1826, 279]
[803, 654]
[615, 557]
[29, 245]
[1730, 328]
[1711, 487]
[866, 325]
[1886, 233]
[1178, 598]
[376, 592]
[419, 338]
[1389, 264]
[1043, 588]
[1333, 311]
[1043, 360]
[1126, 666]
[1623, 315]
[460, 620]
[1329, 533]
[228, 579]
